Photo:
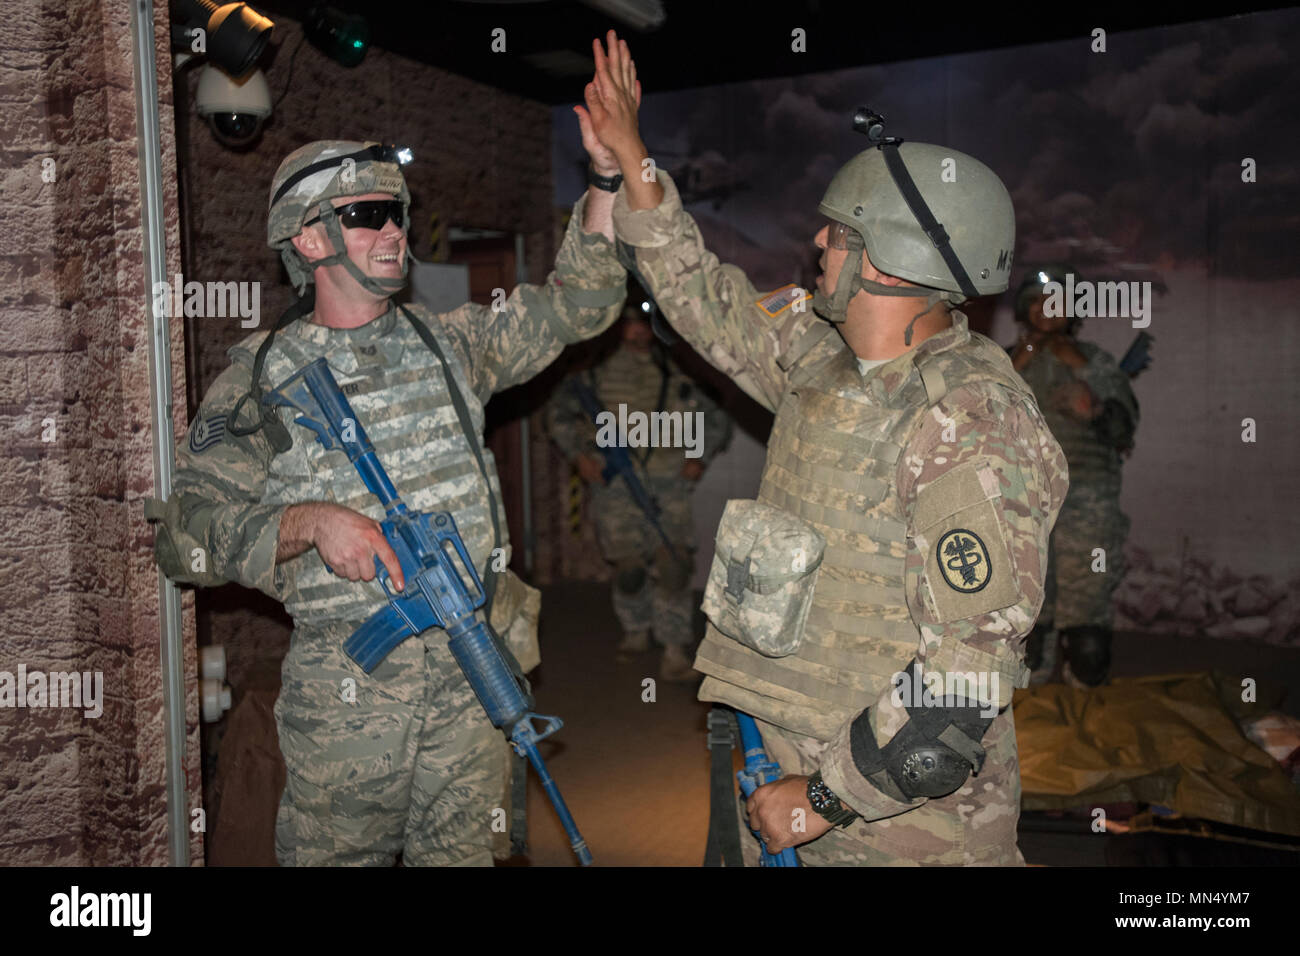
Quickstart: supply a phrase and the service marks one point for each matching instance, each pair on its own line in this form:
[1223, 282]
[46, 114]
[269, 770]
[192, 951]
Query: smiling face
[376, 252]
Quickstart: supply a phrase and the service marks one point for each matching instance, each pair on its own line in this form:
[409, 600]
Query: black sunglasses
[366, 214]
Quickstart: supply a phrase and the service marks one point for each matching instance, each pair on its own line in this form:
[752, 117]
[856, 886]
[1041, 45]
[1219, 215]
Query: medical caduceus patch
[964, 561]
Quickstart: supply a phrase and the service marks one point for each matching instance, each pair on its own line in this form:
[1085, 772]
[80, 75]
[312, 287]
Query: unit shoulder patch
[960, 531]
[963, 561]
[774, 303]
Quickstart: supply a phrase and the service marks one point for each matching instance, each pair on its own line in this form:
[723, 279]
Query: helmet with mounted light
[302, 193]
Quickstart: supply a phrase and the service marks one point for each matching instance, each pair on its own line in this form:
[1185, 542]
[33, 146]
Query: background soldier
[650, 584]
[1090, 407]
[913, 449]
[403, 760]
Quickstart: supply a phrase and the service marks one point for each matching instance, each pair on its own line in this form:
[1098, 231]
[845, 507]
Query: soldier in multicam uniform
[404, 760]
[650, 583]
[1090, 408]
[911, 446]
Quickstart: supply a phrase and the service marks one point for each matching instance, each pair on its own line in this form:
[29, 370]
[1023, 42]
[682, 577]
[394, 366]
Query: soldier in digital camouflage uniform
[403, 760]
[651, 588]
[1090, 407]
[909, 444]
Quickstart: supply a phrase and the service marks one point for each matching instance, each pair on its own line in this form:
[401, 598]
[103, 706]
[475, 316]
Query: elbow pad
[931, 755]
[180, 555]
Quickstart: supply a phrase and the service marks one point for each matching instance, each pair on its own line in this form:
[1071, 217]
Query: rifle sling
[471, 437]
[723, 847]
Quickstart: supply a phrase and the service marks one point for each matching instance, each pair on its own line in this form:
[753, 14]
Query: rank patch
[964, 561]
[206, 432]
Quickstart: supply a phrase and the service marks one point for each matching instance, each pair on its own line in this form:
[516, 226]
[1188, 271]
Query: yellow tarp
[1170, 740]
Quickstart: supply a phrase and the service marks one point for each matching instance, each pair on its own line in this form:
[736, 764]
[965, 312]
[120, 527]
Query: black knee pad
[1087, 648]
[1034, 646]
[629, 578]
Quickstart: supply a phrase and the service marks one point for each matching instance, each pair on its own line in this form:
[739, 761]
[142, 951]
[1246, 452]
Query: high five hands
[609, 121]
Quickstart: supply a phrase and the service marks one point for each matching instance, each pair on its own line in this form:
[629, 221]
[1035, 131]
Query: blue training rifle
[758, 771]
[429, 548]
[618, 464]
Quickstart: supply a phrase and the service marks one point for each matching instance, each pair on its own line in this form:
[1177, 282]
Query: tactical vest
[398, 390]
[634, 380]
[831, 460]
[1090, 460]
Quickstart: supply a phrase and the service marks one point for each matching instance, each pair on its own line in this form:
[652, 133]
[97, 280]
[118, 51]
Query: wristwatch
[608, 183]
[827, 805]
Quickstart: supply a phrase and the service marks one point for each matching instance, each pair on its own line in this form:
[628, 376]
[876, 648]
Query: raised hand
[609, 120]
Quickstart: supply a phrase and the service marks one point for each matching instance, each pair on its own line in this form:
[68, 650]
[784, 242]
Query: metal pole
[160, 381]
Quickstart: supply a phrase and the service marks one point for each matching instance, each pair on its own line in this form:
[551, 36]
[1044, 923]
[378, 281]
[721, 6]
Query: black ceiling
[708, 42]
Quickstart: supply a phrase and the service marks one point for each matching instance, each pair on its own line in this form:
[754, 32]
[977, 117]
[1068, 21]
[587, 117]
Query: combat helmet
[302, 189]
[1033, 285]
[928, 214]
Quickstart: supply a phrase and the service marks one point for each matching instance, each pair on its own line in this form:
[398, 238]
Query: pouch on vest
[764, 570]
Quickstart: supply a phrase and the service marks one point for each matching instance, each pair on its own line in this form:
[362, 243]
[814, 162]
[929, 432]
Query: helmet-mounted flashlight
[872, 125]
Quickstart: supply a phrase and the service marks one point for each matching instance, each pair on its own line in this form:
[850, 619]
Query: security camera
[235, 109]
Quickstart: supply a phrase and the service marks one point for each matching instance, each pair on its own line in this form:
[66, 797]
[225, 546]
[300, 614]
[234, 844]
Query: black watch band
[608, 183]
[828, 806]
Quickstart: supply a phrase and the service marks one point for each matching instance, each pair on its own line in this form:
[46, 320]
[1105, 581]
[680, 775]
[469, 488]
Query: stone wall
[78, 587]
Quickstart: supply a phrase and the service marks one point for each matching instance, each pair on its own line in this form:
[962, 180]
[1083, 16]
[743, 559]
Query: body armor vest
[832, 459]
[1090, 460]
[635, 380]
[397, 387]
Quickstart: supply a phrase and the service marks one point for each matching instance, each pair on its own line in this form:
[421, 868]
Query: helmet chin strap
[384, 286]
[835, 308]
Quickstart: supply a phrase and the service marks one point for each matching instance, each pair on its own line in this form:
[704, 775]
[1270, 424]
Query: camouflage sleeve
[216, 494]
[981, 483]
[581, 298]
[568, 425]
[714, 306]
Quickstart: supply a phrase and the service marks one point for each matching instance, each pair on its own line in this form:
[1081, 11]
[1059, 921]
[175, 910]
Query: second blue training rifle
[435, 564]
[758, 771]
[618, 463]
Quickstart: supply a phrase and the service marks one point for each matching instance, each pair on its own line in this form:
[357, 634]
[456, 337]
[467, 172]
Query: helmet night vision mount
[891, 196]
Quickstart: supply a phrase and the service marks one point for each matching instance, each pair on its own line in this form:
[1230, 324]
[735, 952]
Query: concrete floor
[635, 774]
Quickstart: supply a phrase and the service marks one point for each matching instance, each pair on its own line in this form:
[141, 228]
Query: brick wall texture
[78, 588]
